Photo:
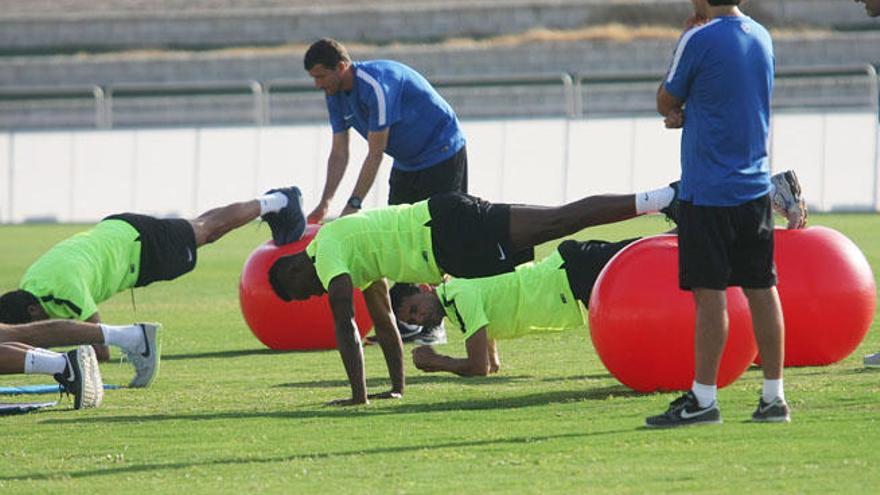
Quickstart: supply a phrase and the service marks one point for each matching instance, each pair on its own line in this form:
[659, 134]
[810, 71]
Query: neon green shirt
[534, 298]
[84, 270]
[392, 242]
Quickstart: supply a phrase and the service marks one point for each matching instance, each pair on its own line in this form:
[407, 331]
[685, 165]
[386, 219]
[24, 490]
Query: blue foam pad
[22, 407]
[41, 389]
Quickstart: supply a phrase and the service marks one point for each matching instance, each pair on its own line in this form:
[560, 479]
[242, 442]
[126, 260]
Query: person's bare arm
[476, 363]
[670, 108]
[336, 165]
[379, 306]
[341, 300]
[376, 141]
[494, 359]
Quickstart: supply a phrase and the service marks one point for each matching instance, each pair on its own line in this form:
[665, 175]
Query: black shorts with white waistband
[721, 246]
[168, 246]
[471, 236]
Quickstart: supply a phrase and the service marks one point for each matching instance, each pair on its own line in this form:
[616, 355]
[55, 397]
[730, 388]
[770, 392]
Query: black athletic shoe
[685, 411]
[288, 224]
[671, 210]
[82, 378]
[431, 335]
[407, 333]
[776, 411]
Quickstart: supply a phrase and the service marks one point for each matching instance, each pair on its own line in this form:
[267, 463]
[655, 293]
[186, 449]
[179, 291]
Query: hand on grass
[391, 394]
[423, 358]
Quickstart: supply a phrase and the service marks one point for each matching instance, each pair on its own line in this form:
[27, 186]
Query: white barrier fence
[81, 176]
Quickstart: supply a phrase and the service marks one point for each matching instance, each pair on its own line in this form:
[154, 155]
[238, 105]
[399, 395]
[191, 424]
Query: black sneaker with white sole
[685, 411]
[82, 378]
[776, 411]
[289, 223]
[431, 335]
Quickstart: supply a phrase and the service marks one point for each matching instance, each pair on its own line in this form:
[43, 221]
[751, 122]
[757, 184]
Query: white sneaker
[82, 378]
[146, 363]
[787, 199]
[872, 360]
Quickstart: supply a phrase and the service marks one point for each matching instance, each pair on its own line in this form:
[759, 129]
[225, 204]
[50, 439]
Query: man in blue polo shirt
[399, 114]
[718, 89]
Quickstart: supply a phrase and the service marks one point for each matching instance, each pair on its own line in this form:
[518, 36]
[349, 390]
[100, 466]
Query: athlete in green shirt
[450, 233]
[549, 296]
[126, 251]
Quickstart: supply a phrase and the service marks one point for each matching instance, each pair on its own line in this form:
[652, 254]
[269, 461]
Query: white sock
[272, 202]
[43, 362]
[653, 201]
[705, 394]
[772, 390]
[126, 337]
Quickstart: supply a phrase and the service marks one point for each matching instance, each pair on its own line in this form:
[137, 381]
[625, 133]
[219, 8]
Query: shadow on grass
[320, 411]
[228, 354]
[310, 457]
[410, 380]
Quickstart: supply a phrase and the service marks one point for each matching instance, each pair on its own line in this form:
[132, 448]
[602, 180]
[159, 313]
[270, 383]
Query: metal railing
[251, 102]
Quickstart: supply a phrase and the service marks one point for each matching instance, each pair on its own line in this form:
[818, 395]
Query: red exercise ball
[642, 324]
[827, 292]
[297, 325]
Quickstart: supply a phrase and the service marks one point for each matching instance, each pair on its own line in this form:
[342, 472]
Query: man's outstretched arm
[347, 341]
[477, 363]
[379, 306]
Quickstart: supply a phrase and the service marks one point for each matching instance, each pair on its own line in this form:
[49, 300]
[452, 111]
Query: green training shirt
[78, 273]
[534, 298]
[392, 242]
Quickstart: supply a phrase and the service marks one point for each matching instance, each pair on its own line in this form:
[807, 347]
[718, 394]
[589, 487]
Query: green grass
[228, 416]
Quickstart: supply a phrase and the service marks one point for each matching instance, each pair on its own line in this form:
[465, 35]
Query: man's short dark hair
[277, 273]
[327, 52]
[14, 307]
[400, 292]
[716, 3]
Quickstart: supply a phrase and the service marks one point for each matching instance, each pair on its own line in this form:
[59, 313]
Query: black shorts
[168, 246]
[584, 262]
[719, 247]
[471, 237]
[449, 175]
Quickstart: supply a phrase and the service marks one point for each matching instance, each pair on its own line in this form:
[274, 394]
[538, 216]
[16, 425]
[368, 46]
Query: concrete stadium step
[69, 26]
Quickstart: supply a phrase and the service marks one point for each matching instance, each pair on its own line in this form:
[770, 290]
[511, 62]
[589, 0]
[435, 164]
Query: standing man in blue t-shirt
[718, 89]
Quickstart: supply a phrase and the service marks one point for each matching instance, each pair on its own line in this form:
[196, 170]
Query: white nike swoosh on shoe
[687, 415]
[762, 410]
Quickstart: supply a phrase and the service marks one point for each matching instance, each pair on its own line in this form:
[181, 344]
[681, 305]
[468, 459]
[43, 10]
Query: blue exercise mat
[41, 389]
[23, 407]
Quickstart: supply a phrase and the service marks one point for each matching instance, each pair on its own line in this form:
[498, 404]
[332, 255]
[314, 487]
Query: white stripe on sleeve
[680, 48]
[380, 95]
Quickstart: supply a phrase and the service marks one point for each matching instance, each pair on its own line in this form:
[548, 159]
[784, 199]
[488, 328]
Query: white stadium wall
[84, 175]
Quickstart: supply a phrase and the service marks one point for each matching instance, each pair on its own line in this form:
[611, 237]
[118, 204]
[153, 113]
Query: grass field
[228, 416]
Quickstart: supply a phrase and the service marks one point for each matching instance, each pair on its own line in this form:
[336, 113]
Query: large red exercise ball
[828, 295]
[295, 325]
[642, 324]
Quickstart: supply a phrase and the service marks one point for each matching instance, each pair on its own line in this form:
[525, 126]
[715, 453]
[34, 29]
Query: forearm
[379, 307]
[393, 353]
[352, 358]
[459, 366]
[336, 165]
[367, 176]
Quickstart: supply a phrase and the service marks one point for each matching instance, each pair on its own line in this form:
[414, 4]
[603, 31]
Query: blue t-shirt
[424, 129]
[723, 71]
